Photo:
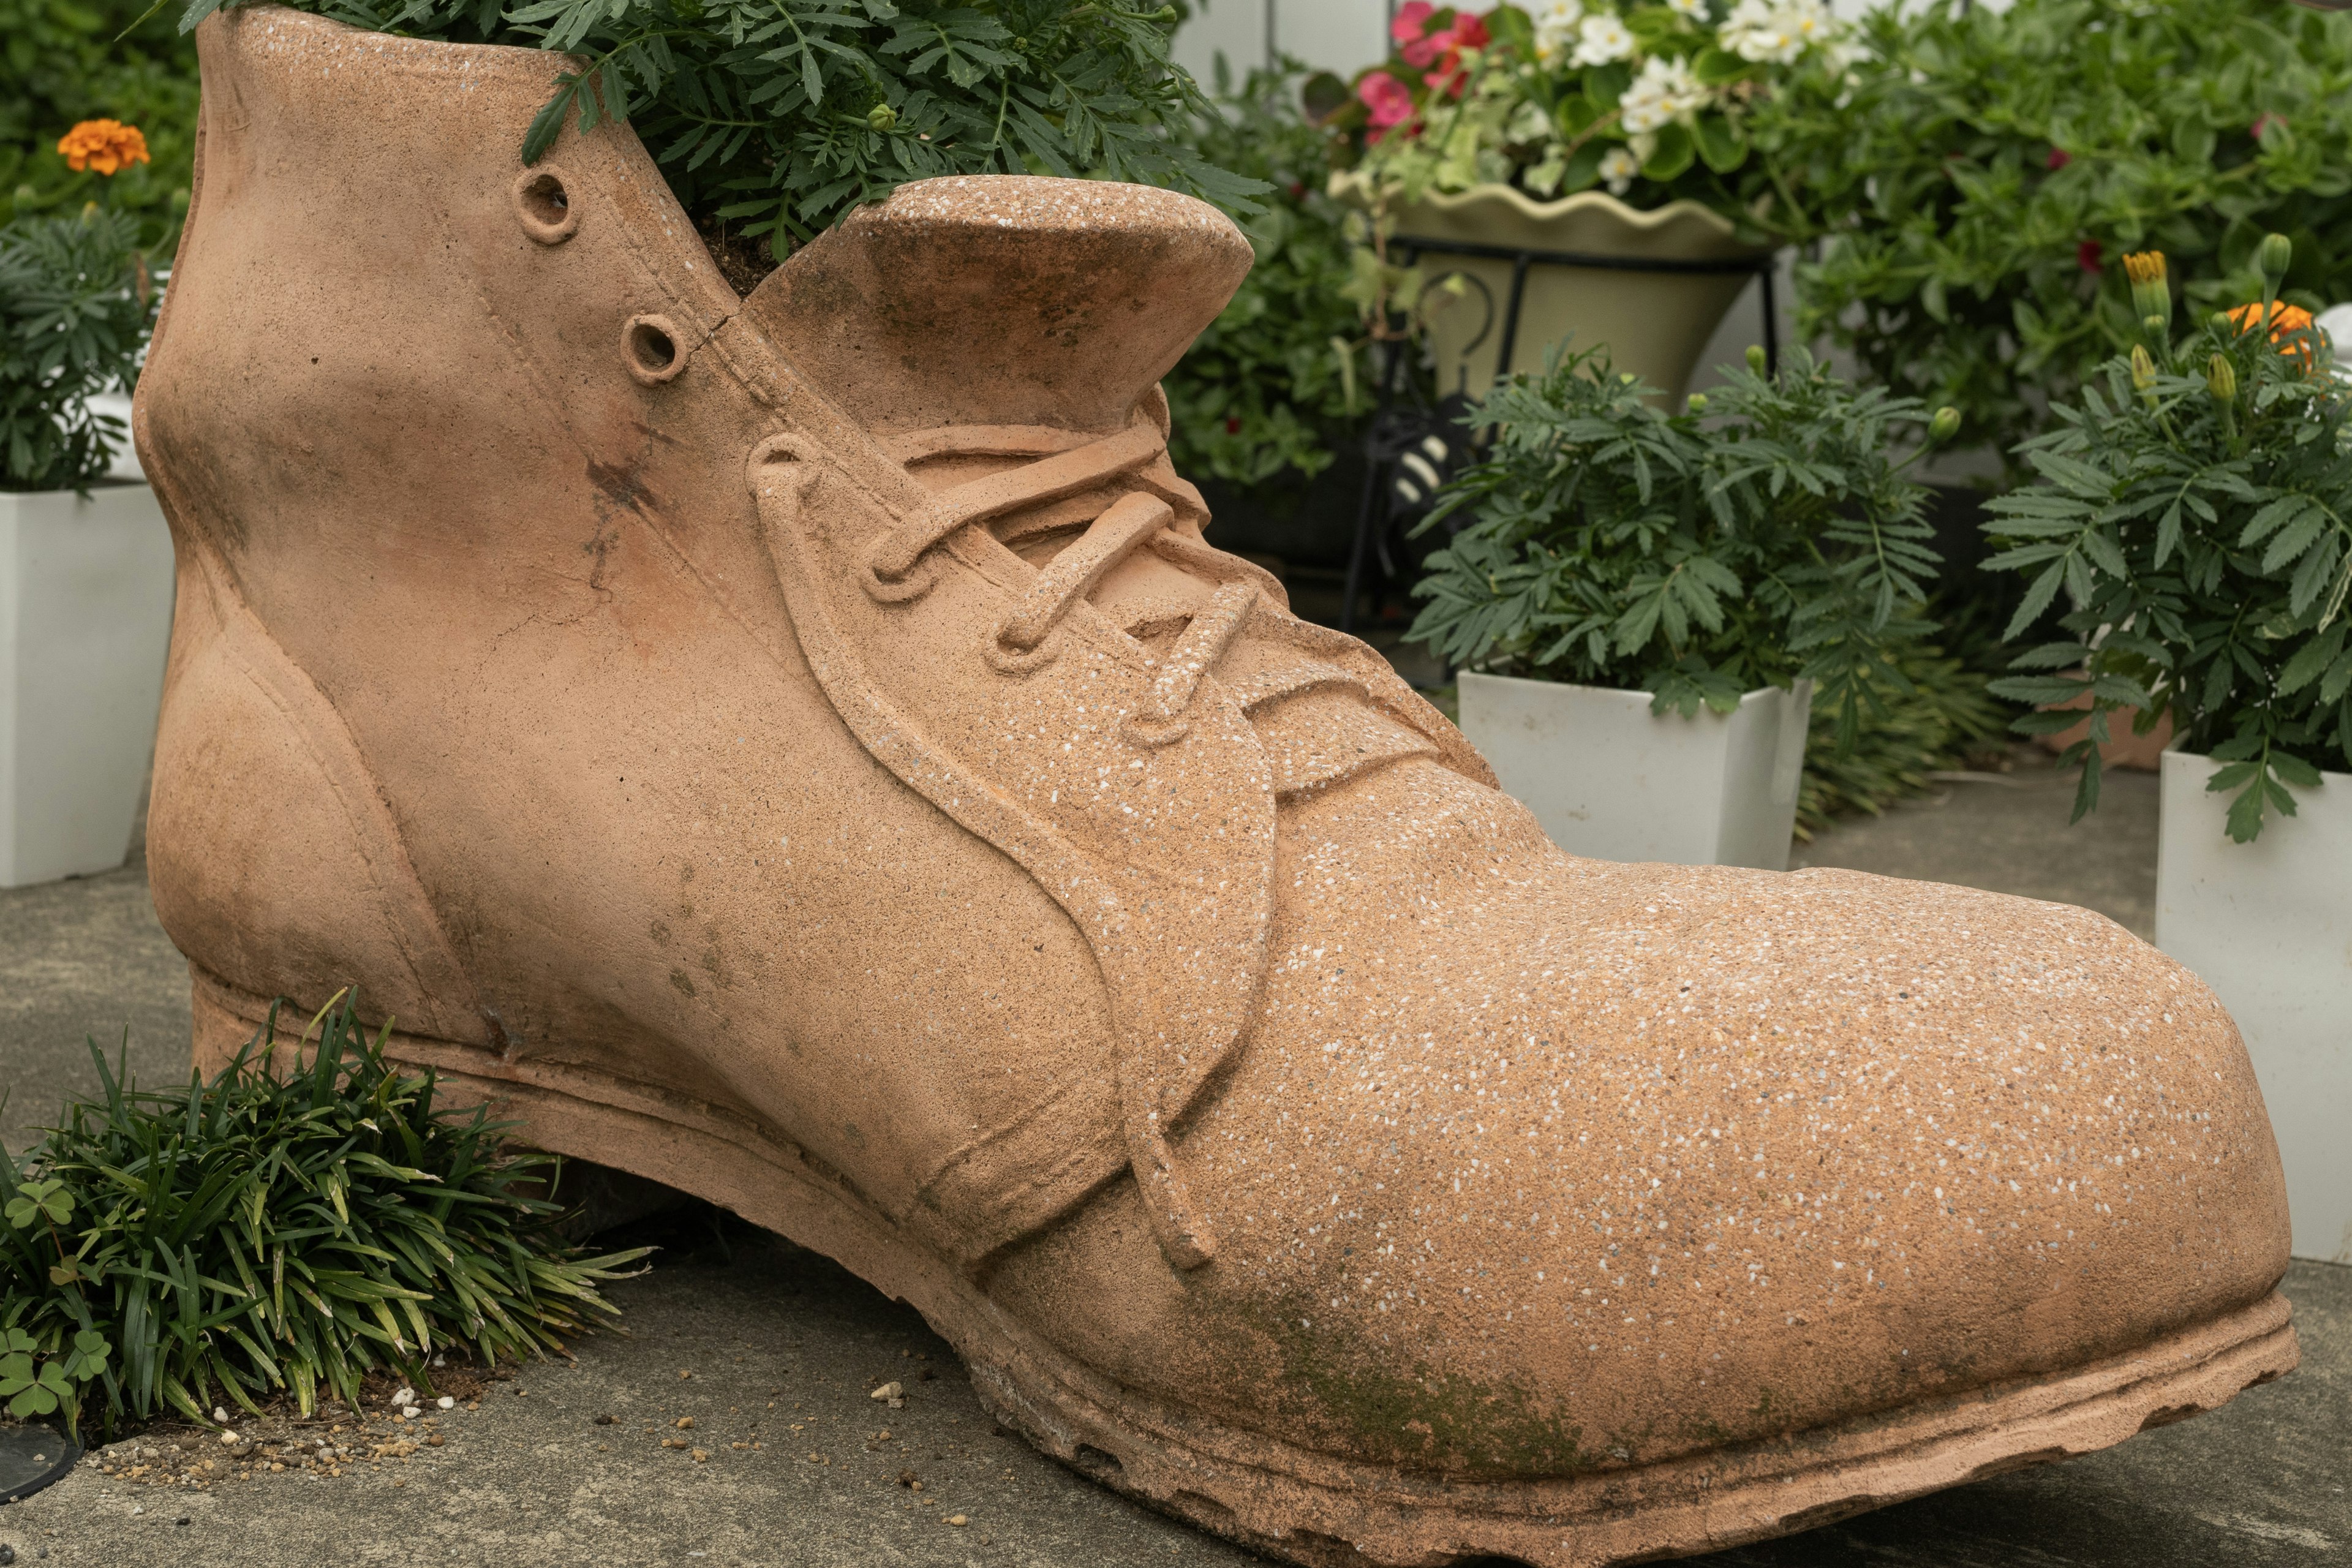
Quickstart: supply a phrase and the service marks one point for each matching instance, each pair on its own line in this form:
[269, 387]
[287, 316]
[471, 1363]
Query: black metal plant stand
[1399, 429]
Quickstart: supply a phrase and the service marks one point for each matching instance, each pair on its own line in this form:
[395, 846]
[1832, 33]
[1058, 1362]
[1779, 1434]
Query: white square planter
[1609, 779]
[85, 621]
[2268, 925]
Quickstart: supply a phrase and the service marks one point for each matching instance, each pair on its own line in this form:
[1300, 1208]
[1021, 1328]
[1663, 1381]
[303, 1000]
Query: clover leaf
[35, 1200]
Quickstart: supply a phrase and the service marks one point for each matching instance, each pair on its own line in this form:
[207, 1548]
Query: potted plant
[1269, 405]
[2197, 512]
[1977, 179]
[1645, 606]
[85, 563]
[1579, 128]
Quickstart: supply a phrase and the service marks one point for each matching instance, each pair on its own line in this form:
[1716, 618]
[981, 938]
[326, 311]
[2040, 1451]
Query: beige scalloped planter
[1609, 779]
[1656, 323]
[2268, 925]
[85, 617]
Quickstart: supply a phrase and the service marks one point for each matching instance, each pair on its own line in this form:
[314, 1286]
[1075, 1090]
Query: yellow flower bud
[2221, 379]
[2151, 294]
[1945, 425]
[1755, 358]
[1697, 403]
[2143, 368]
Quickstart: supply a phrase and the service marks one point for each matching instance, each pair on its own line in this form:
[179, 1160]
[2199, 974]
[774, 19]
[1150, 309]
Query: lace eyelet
[544, 206]
[918, 581]
[1008, 660]
[652, 349]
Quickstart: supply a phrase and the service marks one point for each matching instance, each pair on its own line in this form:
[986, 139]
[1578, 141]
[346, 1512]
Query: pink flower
[1389, 101]
[2264, 121]
[1410, 17]
[2059, 158]
[1467, 33]
[2088, 255]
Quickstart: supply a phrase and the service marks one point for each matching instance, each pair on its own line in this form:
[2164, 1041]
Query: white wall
[1343, 36]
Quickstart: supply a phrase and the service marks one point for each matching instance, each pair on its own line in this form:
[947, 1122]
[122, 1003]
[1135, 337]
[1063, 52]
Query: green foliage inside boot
[772, 120]
[306, 1215]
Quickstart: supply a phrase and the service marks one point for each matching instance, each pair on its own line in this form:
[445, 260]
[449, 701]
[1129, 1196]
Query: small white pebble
[229, 1437]
[446, 1403]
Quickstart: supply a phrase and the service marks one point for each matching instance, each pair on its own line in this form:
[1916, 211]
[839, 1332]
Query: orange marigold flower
[108, 146]
[2285, 321]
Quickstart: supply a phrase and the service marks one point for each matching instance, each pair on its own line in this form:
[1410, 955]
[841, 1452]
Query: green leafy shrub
[76, 305]
[60, 62]
[1765, 535]
[282, 1227]
[1978, 182]
[2197, 512]
[1938, 714]
[1270, 387]
[773, 120]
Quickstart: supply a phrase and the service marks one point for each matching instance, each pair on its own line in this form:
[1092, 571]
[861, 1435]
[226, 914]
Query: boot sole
[1291, 1502]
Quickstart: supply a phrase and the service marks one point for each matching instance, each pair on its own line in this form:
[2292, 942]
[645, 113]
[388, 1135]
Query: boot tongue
[1007, 300]
[1002, 300]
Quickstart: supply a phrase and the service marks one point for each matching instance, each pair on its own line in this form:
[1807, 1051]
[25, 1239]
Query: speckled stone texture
[803, 749]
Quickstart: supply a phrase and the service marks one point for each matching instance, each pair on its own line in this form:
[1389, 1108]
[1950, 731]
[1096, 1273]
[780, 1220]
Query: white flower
[1618, 167]
[1777, 30]
[1695, 9]
[1559, 17]
[1556, 28]
[1665, 91]
[1601, 40]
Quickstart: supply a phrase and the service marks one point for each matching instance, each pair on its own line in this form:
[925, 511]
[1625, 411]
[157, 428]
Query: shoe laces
[1069, 475]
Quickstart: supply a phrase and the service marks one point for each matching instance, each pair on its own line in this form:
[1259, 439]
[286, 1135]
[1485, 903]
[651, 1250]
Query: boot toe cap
[1536, 1165]
[1744, 1154]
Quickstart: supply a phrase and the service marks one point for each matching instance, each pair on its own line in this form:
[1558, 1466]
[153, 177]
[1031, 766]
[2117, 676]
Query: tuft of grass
[279, 1230]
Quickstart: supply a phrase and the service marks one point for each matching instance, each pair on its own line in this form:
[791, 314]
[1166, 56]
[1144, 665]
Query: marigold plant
[107, 146]
[76, 303]
[1765, 535]
[2194, 506]
[772, 119]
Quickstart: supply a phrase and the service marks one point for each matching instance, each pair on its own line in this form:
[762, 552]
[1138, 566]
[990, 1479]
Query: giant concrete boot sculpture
[798, 748]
